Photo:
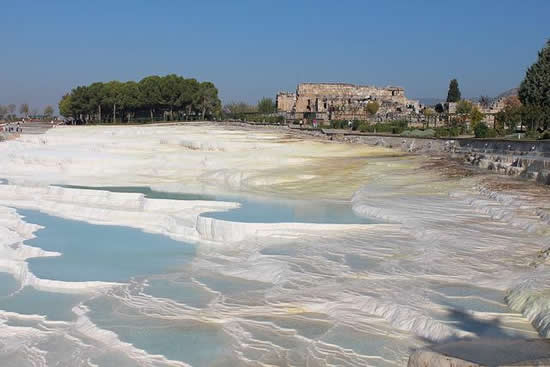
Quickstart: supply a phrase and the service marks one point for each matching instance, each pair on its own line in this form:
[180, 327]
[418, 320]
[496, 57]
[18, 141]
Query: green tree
[481, 130]
[97, 100]
[171, 96]
[429, 114]
[453, 94]
[24, 109]
[170, 92]
[114, 96]
[476, 116]
[238, 110]
[439, 108]
[130, 99]
[189, 89]
[206, 100]
[65, 106]
[80, 102]
[464, 107]
[534, 91]
[48, 111]
[534, 116]
[150, 93]
[372, 108]
[266, 106]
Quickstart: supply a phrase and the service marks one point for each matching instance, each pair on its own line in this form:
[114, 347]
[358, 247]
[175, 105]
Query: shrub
[339, 124]
[364, 127]
[420, 133]
[481, 130]
[372, 108]
[268, 119]
[492, 133]
[442, 132]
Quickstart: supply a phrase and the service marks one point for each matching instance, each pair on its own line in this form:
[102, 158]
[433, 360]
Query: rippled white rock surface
[435, 263]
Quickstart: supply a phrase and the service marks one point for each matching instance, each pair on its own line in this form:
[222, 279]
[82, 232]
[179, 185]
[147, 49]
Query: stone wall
[340, 101]
[286, 102]
[527, 159]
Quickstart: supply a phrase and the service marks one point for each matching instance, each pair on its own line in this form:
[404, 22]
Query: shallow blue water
[181, 291]
[29, 301]
[254, 210]
[99, 252]
[194, 342]
[8, 284]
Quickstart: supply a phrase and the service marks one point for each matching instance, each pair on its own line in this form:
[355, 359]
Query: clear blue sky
[255, 48]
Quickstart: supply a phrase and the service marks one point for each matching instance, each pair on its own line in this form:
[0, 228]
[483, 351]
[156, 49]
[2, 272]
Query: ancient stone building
[286, 102]
[338, 101]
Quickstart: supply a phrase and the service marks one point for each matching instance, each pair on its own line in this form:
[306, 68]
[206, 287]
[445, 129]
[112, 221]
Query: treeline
[153, 98]
[263, 112]
[8, 112]
[265, 106]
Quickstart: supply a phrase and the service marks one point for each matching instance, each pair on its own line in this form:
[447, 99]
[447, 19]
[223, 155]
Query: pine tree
[535, 88]
[454, 93]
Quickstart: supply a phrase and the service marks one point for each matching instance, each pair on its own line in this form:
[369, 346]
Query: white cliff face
[295, 293]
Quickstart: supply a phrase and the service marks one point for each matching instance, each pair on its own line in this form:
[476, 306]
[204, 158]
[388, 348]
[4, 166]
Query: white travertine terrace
[439, 231]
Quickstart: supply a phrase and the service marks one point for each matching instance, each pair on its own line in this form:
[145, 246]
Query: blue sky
[251, 49]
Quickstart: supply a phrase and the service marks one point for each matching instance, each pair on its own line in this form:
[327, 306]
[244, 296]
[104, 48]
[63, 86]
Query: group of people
[13, 128]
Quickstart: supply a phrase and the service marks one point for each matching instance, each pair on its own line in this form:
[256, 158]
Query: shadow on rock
[489, 345]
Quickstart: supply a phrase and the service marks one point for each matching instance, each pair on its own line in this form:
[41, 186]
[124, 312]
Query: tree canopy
[454, 92]
[475, 116]
[48, 111]
[534, 91]
[234, 109]
[152, 98]
[464, 107]
[266, 105]
[372, 108]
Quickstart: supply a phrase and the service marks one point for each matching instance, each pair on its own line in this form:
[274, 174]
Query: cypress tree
[454, 93]
[534, 91]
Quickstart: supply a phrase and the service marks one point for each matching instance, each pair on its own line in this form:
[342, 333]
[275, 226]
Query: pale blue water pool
[195, 342]
[101, 253]
[180, 290]
[112, 253]
[256, 210]
[8, 284]
[29, 301]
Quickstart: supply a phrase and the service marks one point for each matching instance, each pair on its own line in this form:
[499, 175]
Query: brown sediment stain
[448, 167]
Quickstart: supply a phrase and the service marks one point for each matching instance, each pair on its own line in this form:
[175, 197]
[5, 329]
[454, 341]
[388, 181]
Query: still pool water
[101, 253]
[195, 342]
[29, 301]
[254, 210]
[8, 285]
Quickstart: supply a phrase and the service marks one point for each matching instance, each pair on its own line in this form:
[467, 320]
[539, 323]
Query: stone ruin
[339, 101]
